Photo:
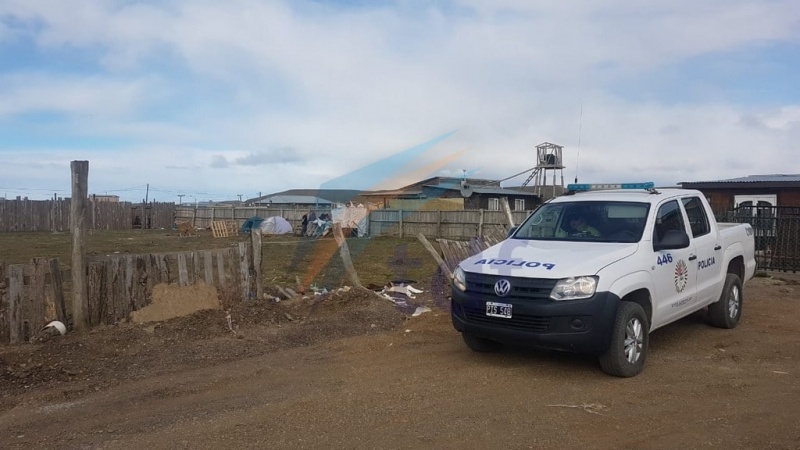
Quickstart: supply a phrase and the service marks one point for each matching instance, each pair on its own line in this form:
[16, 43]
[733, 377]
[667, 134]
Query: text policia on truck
[598, 269]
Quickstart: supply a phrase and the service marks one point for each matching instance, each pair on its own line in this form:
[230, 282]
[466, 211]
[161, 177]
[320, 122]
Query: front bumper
[582, 326]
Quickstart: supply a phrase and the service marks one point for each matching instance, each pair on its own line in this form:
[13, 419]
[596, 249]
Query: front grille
[521, 288]
[517, 321]
[480, 286]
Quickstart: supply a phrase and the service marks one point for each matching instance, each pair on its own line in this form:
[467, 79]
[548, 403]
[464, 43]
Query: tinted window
[669, 217]
[698, 221]
[600, 221]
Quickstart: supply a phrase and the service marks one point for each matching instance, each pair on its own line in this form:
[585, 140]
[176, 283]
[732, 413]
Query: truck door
[707, 249]
[674, 273]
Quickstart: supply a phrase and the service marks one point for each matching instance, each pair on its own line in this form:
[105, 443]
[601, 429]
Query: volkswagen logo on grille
[502, 287]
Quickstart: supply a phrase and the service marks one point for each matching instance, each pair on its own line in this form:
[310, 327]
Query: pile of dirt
[110, 355]
[171, 300]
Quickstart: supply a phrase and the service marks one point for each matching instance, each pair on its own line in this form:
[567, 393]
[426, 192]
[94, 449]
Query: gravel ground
[349, 370]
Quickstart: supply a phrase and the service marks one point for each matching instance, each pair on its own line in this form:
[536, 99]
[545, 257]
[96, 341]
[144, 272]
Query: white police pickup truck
[599, 268]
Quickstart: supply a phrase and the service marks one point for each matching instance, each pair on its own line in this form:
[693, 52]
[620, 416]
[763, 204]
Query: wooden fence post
[5, 298]
[94, 214]
[435, 254]
[58, 290]
[507, 209]
[14, 310]
[344, 251]
[221, 269]
[208, 268]
[401, 221]
[480, 224]
[244, 270]
[77, 226]
[183, 272]
[195, 276]
[255, 237]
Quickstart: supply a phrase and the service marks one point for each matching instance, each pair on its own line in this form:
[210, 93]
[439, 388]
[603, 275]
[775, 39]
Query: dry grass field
[285, 258]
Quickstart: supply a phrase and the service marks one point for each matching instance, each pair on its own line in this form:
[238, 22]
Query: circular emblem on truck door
[502, 287]
[681, 275]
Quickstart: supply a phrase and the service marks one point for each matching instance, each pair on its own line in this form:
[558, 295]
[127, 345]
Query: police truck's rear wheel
[725, 313]
[480, 344]
[629, 341]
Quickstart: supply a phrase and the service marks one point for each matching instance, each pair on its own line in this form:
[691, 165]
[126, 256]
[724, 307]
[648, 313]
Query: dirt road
[356, 373]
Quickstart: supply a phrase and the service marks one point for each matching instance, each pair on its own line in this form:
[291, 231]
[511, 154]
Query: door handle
[692, 257]
[718, 247]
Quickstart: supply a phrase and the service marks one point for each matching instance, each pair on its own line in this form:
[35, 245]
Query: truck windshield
[597, 221]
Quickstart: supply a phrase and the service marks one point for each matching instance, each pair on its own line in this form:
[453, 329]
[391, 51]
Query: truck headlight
[460, 279]
[574, 288]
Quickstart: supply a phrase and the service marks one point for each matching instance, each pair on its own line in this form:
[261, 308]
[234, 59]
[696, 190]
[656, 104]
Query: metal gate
[777, 234]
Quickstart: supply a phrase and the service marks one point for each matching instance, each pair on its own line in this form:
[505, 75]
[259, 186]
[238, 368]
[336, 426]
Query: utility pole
[180, 199]
[147, 192]
[240, 198]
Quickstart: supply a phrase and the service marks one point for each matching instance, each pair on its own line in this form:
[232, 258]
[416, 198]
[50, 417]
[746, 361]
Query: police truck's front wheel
[480, 344]
[629, 340]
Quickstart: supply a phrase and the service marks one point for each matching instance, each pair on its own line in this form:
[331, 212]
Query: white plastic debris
[58, 326]
[230, 321]
[420, 310]
[405, 289]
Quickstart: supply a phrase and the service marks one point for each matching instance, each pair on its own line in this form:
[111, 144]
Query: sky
[204, 100]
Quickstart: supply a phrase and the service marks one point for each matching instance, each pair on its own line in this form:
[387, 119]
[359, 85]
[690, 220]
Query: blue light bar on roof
[598, 187]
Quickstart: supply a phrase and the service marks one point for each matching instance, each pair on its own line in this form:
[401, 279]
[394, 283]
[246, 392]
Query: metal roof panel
[769, 178]
[294, 200]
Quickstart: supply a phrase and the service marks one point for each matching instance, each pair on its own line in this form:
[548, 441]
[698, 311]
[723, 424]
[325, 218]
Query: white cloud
[217, 87]
[783, 119]
[71, 95]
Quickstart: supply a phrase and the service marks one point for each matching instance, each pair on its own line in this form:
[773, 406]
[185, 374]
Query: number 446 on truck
[598, 269]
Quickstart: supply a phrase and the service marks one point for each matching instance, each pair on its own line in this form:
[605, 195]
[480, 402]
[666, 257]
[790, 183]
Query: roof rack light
[598, 187]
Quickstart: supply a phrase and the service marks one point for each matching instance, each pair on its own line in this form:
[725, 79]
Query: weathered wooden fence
[153, 215]
[461, 224]
[31, 295]
[54, 215]
[201, 217]
[455, 251]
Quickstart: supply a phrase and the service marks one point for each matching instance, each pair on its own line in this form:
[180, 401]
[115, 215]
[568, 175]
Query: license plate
[494, 309]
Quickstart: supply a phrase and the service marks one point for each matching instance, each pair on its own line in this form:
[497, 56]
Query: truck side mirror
[511, 231]
[672, 240]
